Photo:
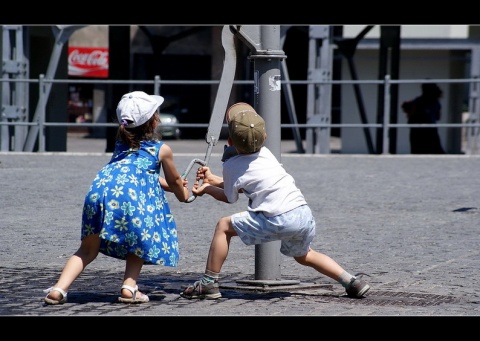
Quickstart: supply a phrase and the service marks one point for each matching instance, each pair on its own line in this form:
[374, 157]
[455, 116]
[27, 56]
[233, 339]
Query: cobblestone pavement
[410, 222]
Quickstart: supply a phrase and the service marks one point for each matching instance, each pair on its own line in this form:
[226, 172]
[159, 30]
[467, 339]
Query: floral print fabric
[128, 208]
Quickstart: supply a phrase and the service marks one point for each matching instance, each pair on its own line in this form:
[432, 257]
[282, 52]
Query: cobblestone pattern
[410, 222]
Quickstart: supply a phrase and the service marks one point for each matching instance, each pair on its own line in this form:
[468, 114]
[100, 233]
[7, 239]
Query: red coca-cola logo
[88, 62]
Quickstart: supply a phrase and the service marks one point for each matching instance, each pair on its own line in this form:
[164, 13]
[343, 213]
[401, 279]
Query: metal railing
[472, 125]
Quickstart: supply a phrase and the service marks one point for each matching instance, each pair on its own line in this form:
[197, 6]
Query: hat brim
[158, 99]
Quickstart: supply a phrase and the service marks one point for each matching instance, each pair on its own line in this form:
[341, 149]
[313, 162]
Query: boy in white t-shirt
[277, 209]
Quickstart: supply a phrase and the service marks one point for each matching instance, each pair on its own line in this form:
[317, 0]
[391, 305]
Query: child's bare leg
[354, 286]
[208, 286]
[85, 254]
[133, 267]
[322, 263]
[220, 245]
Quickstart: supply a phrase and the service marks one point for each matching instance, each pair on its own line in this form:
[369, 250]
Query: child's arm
[204, 173]
[172, 178]
[211, 184]
[214, 191]
[166, 187]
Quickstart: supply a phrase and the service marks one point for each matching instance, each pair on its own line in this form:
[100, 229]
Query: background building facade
[442, 52]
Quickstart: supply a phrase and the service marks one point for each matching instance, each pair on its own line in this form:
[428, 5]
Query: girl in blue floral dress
[126, 213]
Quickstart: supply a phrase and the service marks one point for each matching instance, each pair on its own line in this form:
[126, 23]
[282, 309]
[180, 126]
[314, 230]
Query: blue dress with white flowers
[128, 208]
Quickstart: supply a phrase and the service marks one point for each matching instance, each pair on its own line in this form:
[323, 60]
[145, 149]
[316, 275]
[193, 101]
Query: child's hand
[207, 177]
[186, 192]
[198, 189]
[200, 174]
[204, 174]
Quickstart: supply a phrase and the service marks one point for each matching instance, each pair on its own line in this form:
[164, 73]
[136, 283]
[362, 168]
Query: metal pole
[267, 98]
[386, 116]
[41, 115]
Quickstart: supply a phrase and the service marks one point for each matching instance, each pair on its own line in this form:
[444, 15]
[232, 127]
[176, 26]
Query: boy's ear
[229, 141]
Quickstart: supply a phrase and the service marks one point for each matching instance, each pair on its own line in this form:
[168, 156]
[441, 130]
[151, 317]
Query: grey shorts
[295, 229]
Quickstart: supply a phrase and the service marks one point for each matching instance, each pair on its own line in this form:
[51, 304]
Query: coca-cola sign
[88, 62]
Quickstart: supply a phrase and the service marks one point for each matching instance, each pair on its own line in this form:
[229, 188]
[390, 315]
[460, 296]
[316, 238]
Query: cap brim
[159, 99]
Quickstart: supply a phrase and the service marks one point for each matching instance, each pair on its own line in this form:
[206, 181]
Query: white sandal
[52, 301]
[142, 299]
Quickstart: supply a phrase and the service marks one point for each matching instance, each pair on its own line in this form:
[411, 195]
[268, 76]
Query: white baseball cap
[135, 108]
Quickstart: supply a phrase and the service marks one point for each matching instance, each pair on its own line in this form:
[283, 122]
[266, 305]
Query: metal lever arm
[187, 170]
[223, 94]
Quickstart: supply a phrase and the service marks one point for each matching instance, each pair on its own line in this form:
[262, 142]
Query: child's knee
[224, 225]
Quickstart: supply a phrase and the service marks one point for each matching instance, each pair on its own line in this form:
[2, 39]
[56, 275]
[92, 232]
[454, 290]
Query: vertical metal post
[473, 133]
[62, 34]
[319, 96]
[389, 65]
[386, 116]
[287, 91]
[14, 95]
[156, 85]
[267, 56]
[40, 117]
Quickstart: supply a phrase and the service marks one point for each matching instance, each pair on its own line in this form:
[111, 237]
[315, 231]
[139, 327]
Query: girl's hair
[145, 132]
